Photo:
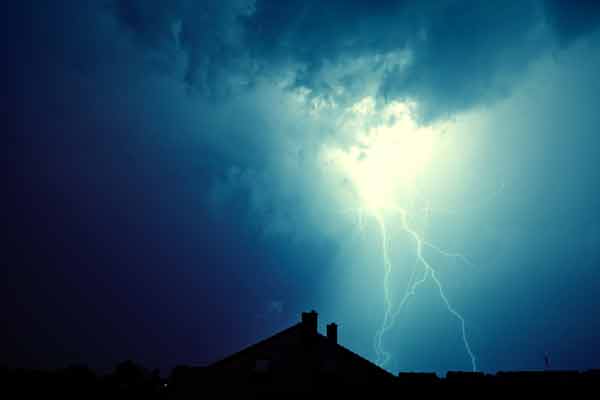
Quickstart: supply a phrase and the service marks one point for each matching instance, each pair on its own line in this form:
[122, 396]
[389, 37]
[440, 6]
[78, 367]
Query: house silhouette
[297, 358]
[300, 359]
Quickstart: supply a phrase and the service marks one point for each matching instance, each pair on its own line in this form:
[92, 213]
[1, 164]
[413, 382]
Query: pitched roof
[342, 354]
[250, 349]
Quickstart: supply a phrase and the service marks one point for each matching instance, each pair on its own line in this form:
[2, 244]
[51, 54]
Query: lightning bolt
[383, 167]
[390, 314]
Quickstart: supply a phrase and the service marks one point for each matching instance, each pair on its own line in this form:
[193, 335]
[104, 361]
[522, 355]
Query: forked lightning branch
[383, 169]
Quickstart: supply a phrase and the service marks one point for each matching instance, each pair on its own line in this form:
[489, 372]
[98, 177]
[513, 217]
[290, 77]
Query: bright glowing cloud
[388, 156]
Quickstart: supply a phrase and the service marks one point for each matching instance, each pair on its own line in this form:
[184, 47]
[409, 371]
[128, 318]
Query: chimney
[332, 332]
[309, 321]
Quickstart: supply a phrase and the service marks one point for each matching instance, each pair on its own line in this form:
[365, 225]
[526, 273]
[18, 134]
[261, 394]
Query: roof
[251, 348]
[322, 344]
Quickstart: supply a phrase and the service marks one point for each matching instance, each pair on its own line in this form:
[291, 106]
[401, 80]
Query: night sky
[181, 179]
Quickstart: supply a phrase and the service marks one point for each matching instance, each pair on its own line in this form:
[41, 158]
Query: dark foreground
[129, 379]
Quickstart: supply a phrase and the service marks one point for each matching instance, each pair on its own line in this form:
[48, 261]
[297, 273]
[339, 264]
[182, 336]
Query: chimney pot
[332, 332]
[309, 320]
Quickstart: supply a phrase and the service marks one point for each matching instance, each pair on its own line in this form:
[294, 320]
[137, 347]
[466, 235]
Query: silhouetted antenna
[546, 360]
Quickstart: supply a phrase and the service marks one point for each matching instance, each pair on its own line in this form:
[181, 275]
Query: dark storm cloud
[571, 19]
[469, 53]
[208, 32]
[448, 56]
[461, 53]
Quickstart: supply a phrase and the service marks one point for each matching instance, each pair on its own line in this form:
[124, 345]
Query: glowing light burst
[383, 168]
[385, 163]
